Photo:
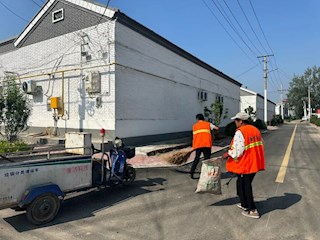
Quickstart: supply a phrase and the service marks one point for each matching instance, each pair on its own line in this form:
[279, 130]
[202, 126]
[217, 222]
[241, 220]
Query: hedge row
[315, 120]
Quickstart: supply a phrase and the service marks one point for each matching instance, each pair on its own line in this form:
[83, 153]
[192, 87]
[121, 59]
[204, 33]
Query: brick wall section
[61, 53]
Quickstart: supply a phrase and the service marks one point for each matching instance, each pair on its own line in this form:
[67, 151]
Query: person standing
[202, 140]
[245, 158]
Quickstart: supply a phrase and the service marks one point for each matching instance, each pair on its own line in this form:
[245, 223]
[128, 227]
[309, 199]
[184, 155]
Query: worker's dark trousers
[244, 190]
[206, 153]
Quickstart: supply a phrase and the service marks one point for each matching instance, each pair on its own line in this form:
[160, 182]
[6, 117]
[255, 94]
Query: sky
[229, 35]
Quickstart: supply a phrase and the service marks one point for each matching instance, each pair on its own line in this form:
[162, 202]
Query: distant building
[93, 68]
[256, 101]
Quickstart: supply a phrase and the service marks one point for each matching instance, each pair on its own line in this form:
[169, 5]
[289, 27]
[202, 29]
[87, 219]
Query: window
[219, 99]
[57, 15]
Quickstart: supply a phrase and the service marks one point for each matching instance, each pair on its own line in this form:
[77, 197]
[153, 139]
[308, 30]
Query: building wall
[260, 108]
[246, 101]
[62, 53]
[157, 89]
[146, 89]
[271, 110]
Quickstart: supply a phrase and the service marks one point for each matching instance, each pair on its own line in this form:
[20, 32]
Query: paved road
[162, 204]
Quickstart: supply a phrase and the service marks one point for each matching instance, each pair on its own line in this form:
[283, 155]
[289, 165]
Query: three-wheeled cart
[38, 182]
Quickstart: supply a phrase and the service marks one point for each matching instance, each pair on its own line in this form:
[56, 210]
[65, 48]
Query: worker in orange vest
[245, 158]
[202, 140]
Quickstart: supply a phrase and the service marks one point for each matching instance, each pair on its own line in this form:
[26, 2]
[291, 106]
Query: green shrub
[259, 124]
[276, 120]
[18, 146]
[313, 119]
[230, 129]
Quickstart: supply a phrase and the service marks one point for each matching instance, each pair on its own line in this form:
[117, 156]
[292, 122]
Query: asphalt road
[161, 203]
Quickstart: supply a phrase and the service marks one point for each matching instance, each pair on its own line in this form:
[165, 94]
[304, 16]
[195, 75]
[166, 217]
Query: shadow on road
[268, 205]
[85, 204]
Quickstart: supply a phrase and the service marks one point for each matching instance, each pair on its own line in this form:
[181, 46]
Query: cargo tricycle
[38, 182]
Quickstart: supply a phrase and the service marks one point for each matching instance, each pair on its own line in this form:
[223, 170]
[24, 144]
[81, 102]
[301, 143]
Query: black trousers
[206, 153]
[244, 190]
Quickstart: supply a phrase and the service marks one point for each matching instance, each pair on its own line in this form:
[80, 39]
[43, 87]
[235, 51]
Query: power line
[233, 28]
[241, 27]
[213, 14]
[245, 15]
[36, 3]
[248, 70]
[278, 79]
[102, 15]
[5, 6]
[265, 38]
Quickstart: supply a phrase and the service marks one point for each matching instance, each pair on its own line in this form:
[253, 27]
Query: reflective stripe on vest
[201, 131]
[251, 145]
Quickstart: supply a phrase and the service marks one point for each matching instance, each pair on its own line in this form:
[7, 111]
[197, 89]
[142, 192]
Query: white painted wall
[246, 101]
[62, 53]
[157, 90]
[271, 110]
[257, 102]
[260, 108]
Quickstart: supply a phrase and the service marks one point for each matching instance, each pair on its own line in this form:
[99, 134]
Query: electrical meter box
[93, 82]
[55, 102]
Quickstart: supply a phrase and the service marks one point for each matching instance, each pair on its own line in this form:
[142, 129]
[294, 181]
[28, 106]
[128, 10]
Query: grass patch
[18, 146]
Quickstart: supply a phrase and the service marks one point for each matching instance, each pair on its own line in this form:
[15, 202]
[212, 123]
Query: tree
[298, 90]
[214, 113]
[250, 112]
[14, 110]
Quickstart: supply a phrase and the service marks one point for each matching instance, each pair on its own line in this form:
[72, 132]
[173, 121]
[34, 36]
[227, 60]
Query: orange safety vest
[201, 135]
[252, 159]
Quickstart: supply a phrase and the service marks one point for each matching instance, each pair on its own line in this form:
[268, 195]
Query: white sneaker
[243, 208]
[251, 214]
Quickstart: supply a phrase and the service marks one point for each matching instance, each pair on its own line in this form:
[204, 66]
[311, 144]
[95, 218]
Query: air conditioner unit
[29, 87]
[93, 82]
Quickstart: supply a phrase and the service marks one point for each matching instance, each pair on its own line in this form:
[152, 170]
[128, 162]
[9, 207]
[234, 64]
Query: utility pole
[265, 77]
[282, 104]
[309, 103]
[282, 114]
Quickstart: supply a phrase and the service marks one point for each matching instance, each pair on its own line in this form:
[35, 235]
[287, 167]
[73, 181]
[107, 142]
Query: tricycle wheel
[129, 176]
[43, 209]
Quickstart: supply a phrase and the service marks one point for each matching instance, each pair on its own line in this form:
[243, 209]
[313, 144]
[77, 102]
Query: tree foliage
[215, 112]
[249, 110]
[14, 110]
[298, 90]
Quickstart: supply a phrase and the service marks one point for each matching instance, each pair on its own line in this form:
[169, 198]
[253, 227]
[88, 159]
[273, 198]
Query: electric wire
[235, 30]
[240, 26]
[252, 29]
[18, 16]
[102, 15]
[248, 70]
[217, 19]
[265, 38]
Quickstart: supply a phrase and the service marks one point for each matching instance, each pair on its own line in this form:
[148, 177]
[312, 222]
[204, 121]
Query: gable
[7, 46]
[77, 15]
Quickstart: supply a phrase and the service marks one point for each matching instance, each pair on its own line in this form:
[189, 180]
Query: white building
[256, 101]
[109, 71]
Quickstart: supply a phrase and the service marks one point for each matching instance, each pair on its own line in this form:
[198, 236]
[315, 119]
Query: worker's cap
[241, 115]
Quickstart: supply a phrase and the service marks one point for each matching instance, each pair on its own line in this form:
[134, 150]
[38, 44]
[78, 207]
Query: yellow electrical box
[55, 102]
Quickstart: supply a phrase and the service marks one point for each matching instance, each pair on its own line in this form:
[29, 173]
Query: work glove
[225, 155]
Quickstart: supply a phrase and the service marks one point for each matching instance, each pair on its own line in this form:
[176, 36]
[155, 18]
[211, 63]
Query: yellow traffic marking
[285, 161]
